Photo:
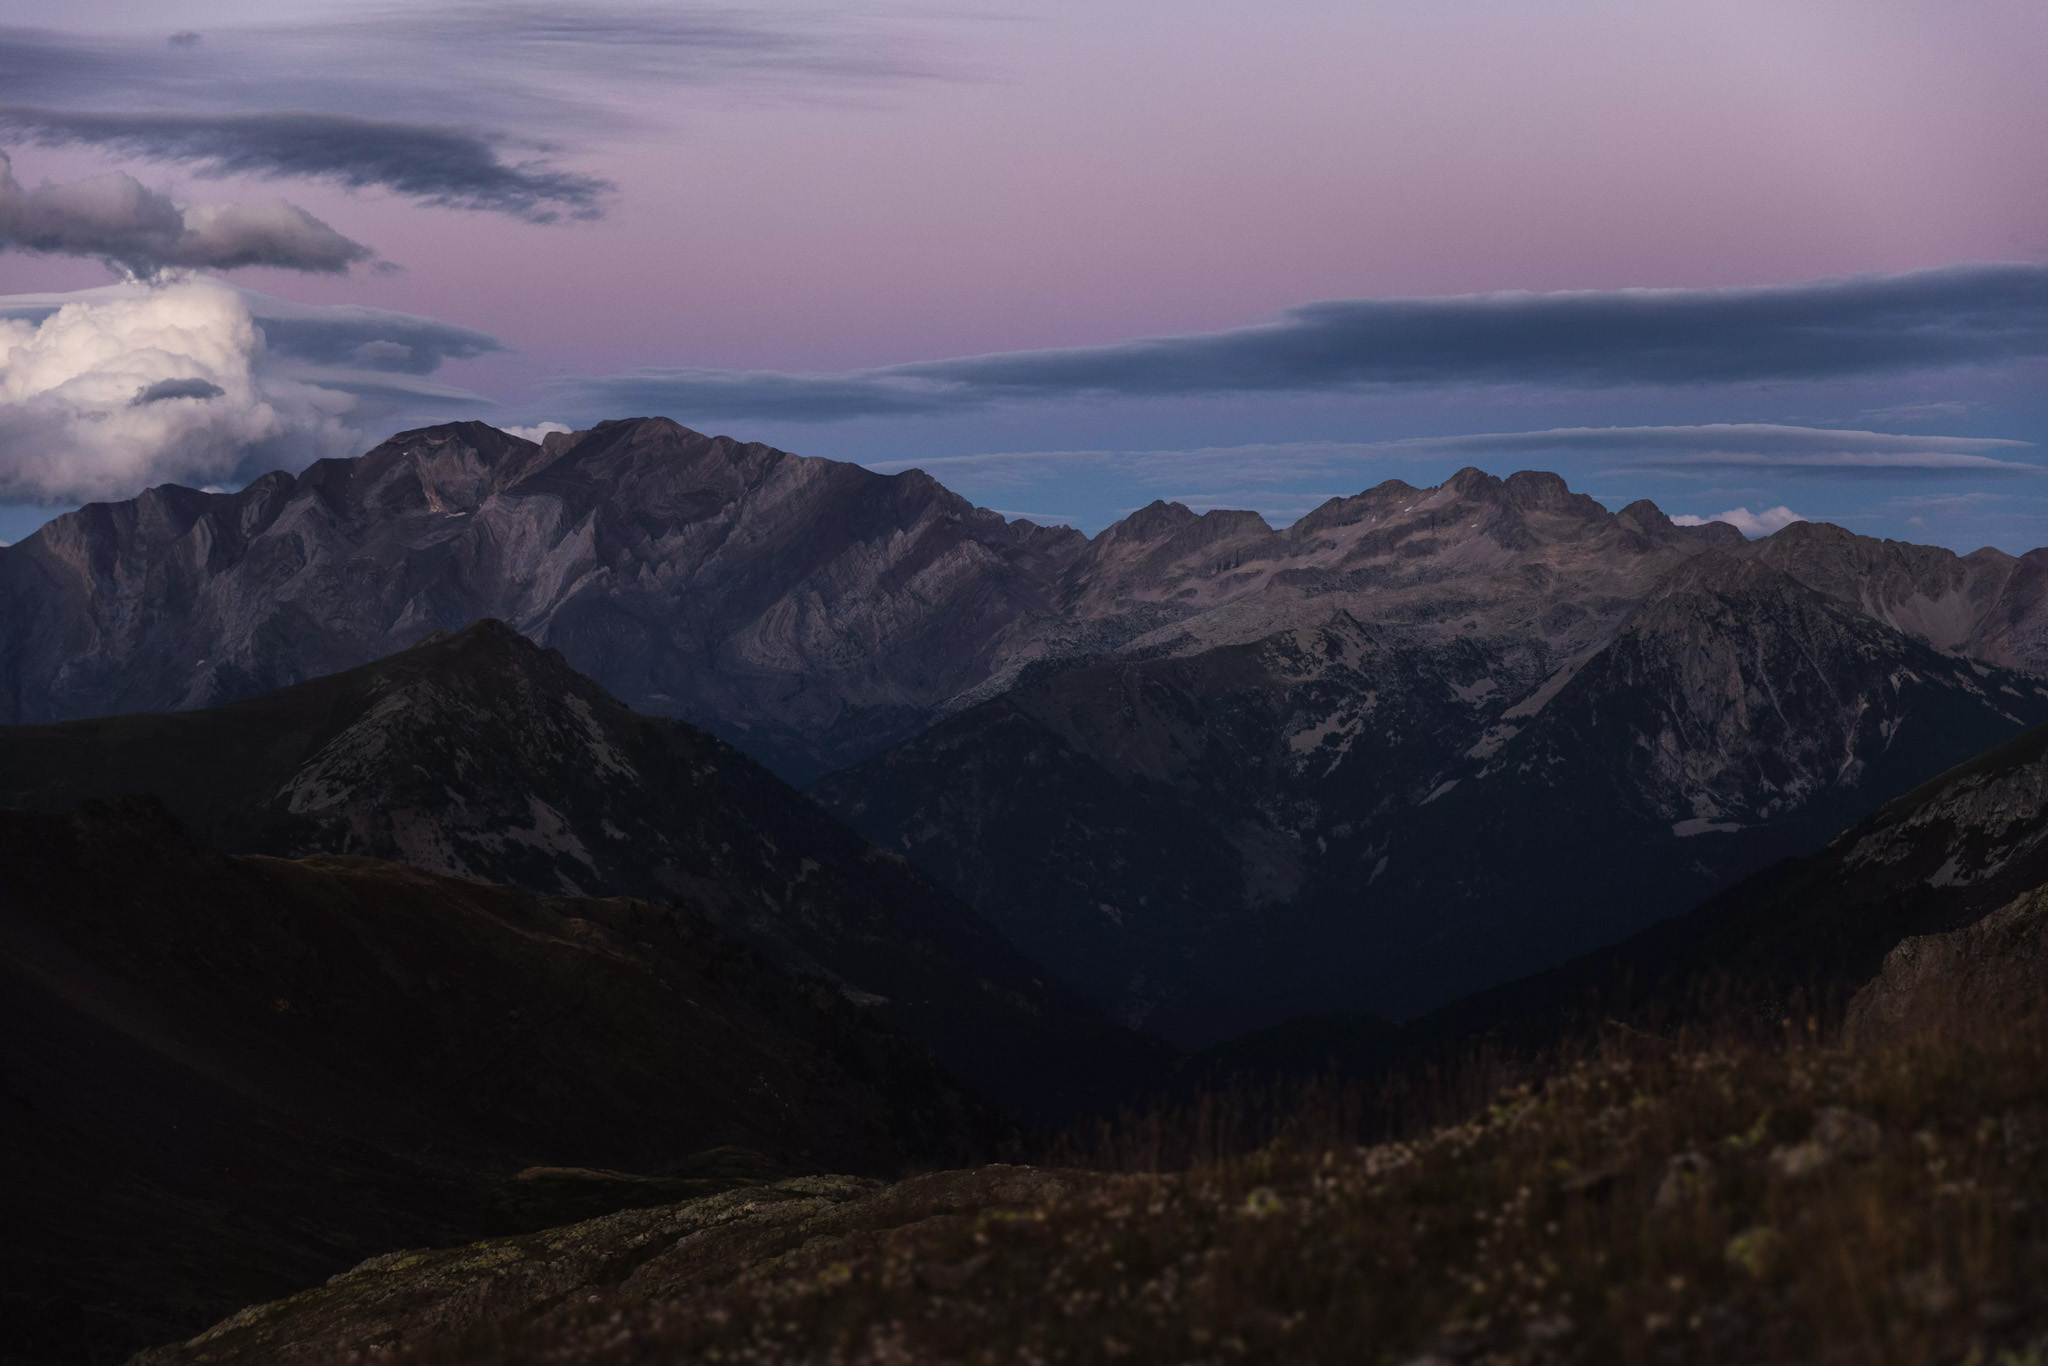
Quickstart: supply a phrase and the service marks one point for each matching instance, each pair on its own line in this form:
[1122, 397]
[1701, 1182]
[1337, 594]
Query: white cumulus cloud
[537, 430]
[1750, 524]
[101, 399]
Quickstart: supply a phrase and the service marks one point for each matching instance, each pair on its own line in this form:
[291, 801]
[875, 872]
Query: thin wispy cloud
[484, 60]
[1959, 316]
[1738, 442]
[1938, 411]
[472, 101]
[1754, 445]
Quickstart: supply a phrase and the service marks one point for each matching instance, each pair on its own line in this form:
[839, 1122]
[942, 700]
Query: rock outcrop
[1996, 969]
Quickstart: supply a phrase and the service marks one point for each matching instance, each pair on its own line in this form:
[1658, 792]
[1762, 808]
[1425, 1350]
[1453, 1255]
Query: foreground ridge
[1701, 1202]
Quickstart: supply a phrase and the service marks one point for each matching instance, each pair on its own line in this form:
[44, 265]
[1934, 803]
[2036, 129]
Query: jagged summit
[814, 611]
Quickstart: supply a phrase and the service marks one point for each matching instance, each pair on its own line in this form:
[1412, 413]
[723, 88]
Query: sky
[1753, 261]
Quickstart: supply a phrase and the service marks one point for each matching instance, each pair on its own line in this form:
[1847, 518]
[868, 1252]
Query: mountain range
[1214, 774]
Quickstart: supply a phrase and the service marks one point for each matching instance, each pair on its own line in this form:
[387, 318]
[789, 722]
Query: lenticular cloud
[105, 397]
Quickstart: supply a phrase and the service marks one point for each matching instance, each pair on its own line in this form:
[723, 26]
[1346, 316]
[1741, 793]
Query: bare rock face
[809, 608]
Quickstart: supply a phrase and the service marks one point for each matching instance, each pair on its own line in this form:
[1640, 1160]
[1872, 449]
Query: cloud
[1968, 315]
[108, 391]
[537, 431]
[496, 59]
[1739, 443]
[70, 427]
[1916, 412]
[1796, 450]
[470, 100]
[1850, 463]
[163, 389]
[445, 166]
[121, 221]
[1750, 524]
[378, 345]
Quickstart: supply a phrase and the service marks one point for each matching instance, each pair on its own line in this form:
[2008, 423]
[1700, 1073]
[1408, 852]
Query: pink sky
[1086, 173]
[1070, 173]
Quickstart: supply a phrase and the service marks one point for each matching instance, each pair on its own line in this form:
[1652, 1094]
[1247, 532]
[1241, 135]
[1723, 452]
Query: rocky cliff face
[480, 755]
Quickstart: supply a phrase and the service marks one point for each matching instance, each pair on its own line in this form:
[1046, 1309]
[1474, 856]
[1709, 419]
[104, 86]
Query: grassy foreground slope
[1654, 1200]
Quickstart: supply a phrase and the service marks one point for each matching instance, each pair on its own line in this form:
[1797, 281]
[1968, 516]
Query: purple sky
[819, 190]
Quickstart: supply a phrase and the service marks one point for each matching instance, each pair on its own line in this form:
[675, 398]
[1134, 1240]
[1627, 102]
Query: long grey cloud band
[1970, 315]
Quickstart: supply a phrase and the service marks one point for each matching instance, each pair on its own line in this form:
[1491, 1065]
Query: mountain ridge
[479, 754]
[815, 612]
[230, 1077]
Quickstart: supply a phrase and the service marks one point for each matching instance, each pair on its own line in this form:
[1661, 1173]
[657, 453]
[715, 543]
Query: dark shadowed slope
[480, 754]
[227, 1078]
[1807, 931]
[1352, 817]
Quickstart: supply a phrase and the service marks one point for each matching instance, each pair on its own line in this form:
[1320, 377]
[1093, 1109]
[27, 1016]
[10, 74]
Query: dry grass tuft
[1648, 1202]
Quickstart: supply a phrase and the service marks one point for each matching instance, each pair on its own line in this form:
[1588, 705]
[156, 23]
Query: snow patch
[1552, 686]
[1491, 742]
[1477, 693]
[1700, 825]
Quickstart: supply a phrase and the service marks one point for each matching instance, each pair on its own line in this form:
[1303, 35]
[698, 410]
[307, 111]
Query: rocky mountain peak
[451, 468]
[1542, 489]
[1152, 522]
[1475, 483]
